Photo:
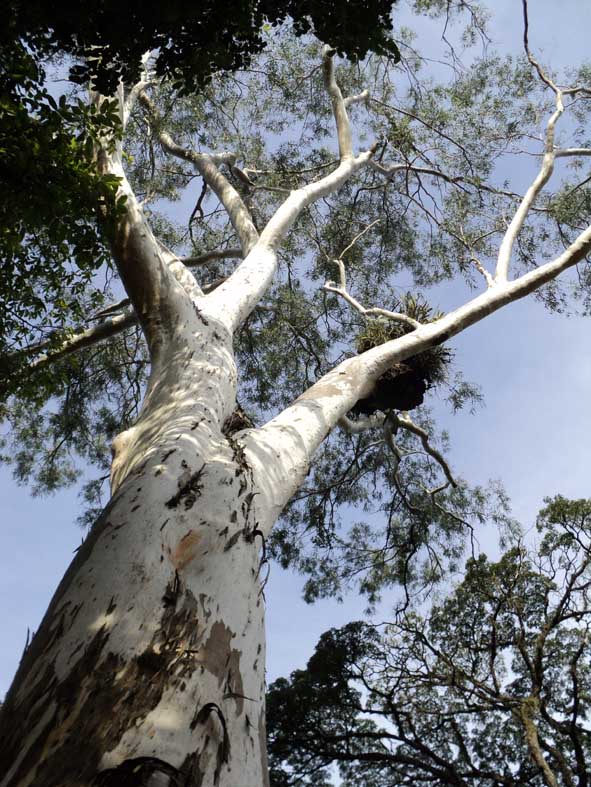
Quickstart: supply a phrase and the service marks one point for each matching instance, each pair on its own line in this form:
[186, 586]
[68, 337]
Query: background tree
[145, 624]
[490, 687]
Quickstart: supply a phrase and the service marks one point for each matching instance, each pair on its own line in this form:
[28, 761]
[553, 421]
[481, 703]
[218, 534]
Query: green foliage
[193, 40]
[49, 245]
[403, 387]
[454, 695]
[366, 519]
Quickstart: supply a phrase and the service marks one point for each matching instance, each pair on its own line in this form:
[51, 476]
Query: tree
[491, 687]
[152, 649]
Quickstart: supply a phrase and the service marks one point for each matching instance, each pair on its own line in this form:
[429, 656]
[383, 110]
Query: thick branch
[280, 452]
[564, 152]
[143, 265]
[91, 336]
[115, 318]
[506, 248]
[526, 717]
[211, 256]
[239, 295]
[339, 107]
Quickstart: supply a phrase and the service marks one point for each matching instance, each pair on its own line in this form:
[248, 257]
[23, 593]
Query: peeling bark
[152, 650]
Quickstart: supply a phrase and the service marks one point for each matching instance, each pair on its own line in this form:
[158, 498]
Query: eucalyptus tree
[490, 687]
[322, 185]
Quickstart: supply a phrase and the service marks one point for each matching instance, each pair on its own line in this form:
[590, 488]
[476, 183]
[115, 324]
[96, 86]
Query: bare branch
[406, 422]
[114, 318]
[392, 170]
[563, 152]
[357, 99]
[241, 293]
[342, 292]
[506, 247]
[372, 312]
[109, 327]
[362, 424]
[339, 106]
[359, 235]
[541, 73]
[208, 167]
[290, 439]
[210, 256]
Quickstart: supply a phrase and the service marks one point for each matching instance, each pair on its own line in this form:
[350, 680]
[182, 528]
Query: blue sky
[533, 433]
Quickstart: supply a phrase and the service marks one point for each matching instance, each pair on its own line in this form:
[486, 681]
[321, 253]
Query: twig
[406, 422]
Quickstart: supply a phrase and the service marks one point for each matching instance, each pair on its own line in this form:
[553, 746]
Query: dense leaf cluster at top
[193, 39]
[480, 691]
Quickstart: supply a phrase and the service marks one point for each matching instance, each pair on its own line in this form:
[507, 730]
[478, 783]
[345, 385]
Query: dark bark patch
[171, 594]
[234, 688]
[203, 319]
[141, 772]
[189, 490]
[223, 749]
[103, 696]
[233, 540]
[151, 661]
[194, 776]
[263, 750]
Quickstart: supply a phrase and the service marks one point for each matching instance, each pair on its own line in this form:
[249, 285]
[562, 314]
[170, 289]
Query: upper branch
[208, 167]
[240, 294]
[280, 452]
[339, 107]
[506, 247]
[406, 422]
[342, 291]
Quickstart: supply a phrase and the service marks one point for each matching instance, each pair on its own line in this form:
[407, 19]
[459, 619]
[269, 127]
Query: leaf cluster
[403, 387]
[481, 690]
[49, 244]
[191, 40]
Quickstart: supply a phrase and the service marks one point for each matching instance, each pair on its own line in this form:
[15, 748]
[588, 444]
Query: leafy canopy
[492, 686]
[193, 39]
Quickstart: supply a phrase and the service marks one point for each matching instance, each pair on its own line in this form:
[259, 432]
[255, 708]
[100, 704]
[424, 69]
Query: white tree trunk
[153, 646]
